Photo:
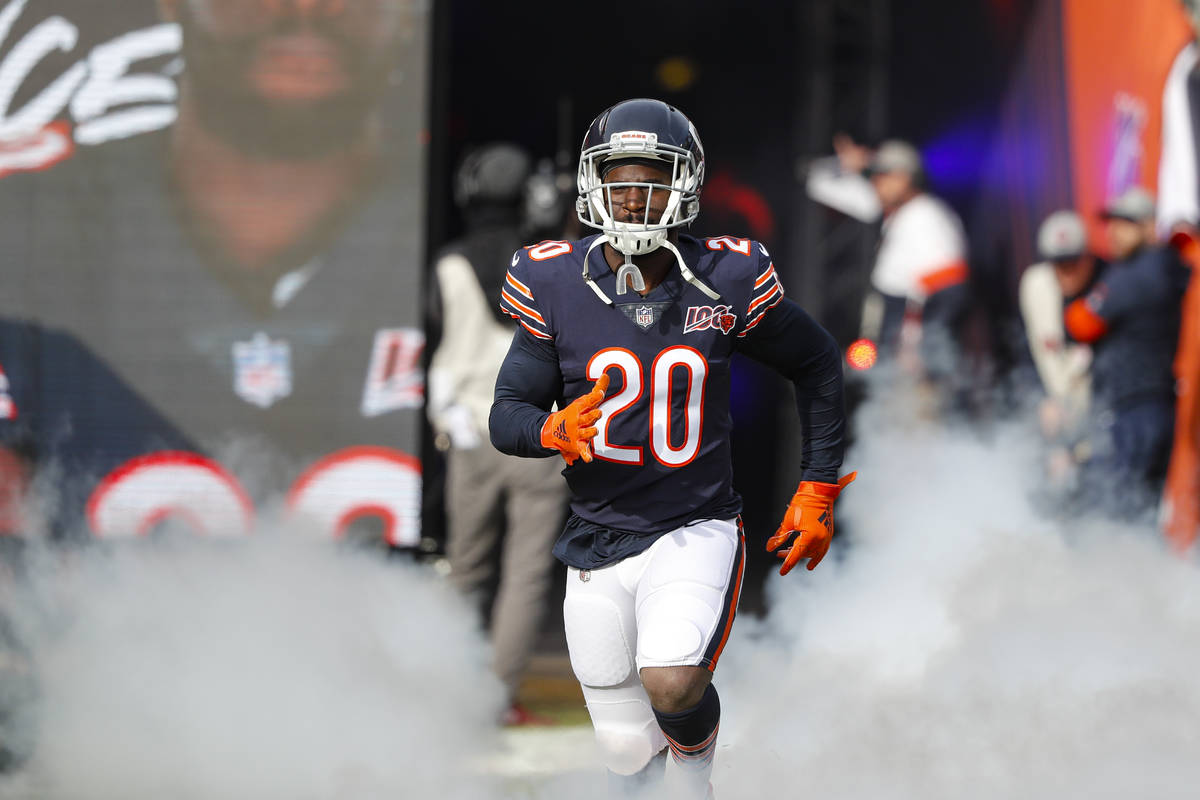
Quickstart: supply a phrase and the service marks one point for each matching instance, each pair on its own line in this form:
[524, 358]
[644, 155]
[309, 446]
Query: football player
[629, 334]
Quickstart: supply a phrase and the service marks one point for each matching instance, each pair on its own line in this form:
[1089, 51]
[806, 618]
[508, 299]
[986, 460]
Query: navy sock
[692, 733]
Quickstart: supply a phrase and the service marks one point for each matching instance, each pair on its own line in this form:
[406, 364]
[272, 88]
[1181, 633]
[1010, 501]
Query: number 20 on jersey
[672, 448]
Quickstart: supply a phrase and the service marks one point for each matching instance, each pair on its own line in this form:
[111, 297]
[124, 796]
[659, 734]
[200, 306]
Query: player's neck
[256, 207]
[654, 266]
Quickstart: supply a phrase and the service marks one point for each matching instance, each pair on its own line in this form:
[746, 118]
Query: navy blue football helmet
[640, 129]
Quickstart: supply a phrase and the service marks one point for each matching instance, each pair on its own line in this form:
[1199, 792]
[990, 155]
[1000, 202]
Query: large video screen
[211, 226]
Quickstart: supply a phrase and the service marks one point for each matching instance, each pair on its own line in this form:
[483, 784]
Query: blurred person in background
[228, 312]
[1129, 223]
[503, 512]
[1130, 315]
[921, 295]
[1063, 366]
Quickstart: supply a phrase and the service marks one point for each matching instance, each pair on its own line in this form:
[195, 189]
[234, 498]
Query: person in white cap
[920, 277]
[1067, 267]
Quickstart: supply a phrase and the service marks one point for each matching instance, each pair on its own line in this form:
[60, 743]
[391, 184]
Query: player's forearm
[819, 401]
[526, 388]
[802, 351]
[516, 429]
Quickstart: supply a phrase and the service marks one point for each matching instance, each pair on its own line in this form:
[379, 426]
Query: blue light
[955, 160]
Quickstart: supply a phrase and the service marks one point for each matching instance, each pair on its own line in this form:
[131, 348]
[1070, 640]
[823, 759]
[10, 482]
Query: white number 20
[661, 436]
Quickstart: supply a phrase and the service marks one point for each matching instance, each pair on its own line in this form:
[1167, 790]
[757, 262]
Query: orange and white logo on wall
[1117, 56]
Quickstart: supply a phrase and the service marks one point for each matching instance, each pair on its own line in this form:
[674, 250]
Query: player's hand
[570, 431]
[807, 527]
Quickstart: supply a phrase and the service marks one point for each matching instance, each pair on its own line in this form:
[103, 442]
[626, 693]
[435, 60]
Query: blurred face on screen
[287, 77]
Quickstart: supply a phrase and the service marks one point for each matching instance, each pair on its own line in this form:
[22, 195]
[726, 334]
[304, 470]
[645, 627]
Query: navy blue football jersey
[662, 451]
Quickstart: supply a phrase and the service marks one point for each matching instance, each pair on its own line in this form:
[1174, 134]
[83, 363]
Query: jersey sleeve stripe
[766, 276]
[522, 323]
[538, 334]
[762, 313]
[773, 291]
[520, 287]
[517, 305]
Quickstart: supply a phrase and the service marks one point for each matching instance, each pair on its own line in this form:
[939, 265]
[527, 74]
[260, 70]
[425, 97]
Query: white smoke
[966, 646]
[273, 667]
[958, 644]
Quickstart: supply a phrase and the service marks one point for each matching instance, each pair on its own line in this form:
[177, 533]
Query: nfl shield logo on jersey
[644, 316]
[262, 370]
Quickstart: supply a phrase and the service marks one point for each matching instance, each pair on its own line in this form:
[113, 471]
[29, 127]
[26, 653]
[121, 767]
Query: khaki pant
[484, 489]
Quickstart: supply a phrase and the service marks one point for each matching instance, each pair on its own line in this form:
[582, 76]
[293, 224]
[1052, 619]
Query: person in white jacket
[503, 513]
[920, 277]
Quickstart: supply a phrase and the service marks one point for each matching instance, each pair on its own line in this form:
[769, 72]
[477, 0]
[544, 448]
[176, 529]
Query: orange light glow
[862, 354]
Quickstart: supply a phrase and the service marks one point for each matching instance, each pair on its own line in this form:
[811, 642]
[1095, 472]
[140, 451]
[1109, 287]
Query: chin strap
[588, 278]
[630, 272]
[688, 276]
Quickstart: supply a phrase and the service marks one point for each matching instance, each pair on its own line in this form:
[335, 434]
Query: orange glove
[807, 526]
[570, 430]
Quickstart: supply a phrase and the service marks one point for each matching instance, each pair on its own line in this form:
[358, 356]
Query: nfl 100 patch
[700, 318]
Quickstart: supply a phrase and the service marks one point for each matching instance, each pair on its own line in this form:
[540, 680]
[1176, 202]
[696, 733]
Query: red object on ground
[518, 715]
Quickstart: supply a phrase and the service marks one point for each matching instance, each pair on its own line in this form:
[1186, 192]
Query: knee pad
[676, 625]
[599, 645]
[627, 731]
[627, 752]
